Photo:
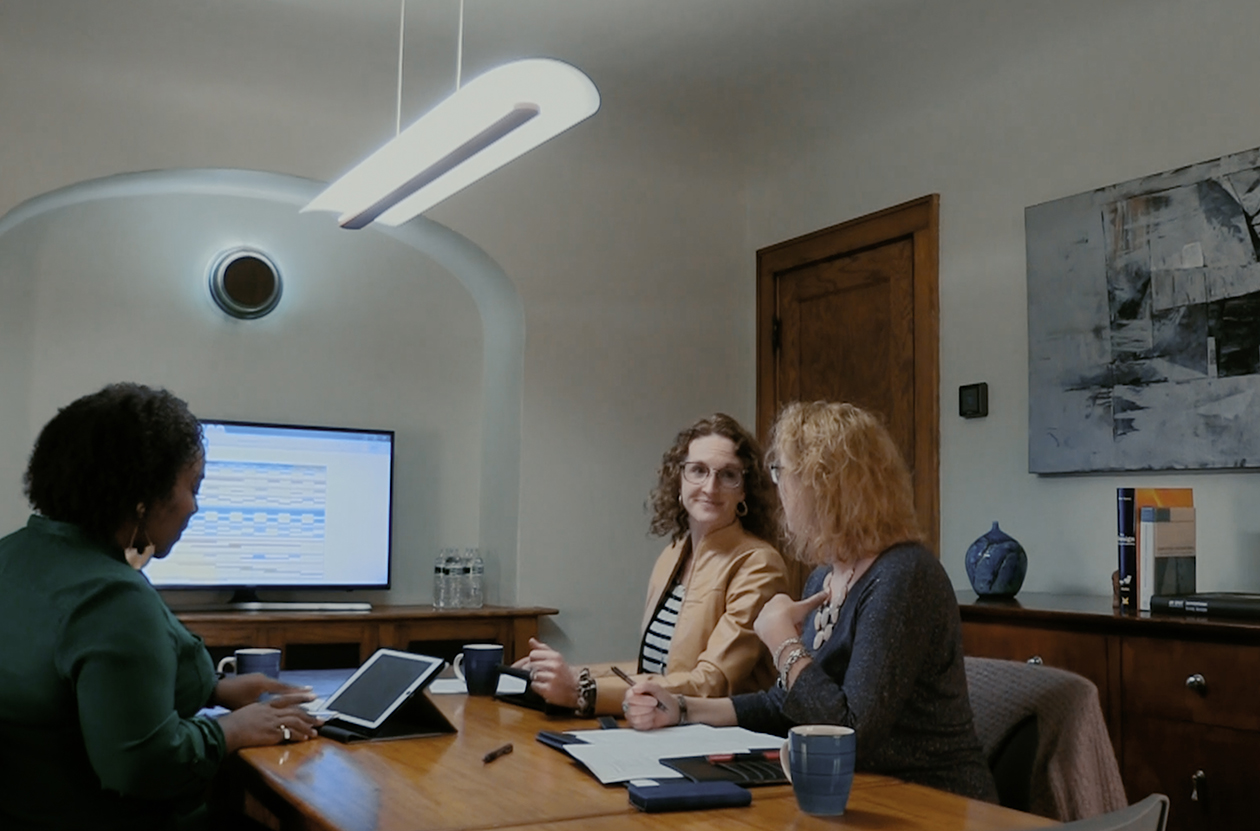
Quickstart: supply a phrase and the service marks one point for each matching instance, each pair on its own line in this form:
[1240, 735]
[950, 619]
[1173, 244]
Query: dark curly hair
[669, 517]
[105, 453]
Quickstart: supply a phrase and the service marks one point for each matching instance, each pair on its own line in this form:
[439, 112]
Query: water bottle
[442, 580]
[461, 575]
[476, 579]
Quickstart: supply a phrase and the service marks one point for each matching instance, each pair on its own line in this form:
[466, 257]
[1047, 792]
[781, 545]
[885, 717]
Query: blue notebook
[654, 796]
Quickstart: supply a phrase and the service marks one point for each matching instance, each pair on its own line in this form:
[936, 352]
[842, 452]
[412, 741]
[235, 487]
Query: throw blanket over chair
[1074, 774]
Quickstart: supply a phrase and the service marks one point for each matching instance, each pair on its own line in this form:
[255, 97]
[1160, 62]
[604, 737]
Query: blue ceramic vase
[996, 564]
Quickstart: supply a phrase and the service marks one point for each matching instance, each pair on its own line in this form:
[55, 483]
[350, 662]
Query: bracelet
[793, 656]
[682, 710]
[778, 653]
[586, 694]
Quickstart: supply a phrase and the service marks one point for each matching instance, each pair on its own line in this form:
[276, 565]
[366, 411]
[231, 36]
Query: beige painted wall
[368, 333]
[631, 242]
[995, 113]
[623, 237]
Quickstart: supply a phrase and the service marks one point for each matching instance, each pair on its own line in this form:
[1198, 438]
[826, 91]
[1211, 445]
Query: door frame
[919, 220]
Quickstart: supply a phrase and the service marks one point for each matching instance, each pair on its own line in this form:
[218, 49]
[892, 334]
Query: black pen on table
[617, 671]
[496, 753]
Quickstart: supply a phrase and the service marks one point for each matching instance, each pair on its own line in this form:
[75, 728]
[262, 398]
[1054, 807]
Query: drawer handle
[1036, 659]
[1197, 779]
[1197, 683]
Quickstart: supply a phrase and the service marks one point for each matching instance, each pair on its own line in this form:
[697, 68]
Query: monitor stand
[246, 600]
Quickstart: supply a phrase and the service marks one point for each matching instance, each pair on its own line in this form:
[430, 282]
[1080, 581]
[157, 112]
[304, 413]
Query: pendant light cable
[459, 49]
[402, 27]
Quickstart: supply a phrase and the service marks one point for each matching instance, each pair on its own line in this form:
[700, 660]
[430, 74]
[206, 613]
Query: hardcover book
[1126, 548]
[1165, 543]
[1220, 604]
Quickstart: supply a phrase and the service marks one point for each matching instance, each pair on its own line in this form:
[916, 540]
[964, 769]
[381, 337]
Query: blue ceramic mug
[818, 759]
[245, 661]
[478, 667]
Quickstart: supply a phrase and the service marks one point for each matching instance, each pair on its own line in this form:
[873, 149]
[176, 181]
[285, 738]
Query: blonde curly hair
[856, 497]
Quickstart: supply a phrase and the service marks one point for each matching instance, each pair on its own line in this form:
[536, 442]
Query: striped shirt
[660, 633]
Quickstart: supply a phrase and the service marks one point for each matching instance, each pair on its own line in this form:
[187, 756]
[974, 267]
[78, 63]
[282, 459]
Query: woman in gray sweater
[876, 643]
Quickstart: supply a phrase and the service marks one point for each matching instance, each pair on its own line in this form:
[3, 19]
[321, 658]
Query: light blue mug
[818, 759]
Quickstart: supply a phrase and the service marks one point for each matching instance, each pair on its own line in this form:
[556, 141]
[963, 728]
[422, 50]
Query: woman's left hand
[782, 618]
[241, 690]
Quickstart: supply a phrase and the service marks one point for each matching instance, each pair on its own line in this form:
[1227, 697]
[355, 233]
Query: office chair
[1045, 739]
[1151, 814]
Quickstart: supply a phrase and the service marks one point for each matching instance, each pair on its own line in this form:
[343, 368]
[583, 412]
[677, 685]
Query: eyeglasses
[774, 472]
[728, 478]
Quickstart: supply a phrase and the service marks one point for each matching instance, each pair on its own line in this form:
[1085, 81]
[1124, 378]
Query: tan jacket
[714, 651]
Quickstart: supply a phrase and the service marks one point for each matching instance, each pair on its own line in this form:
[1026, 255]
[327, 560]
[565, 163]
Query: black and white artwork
[1144, 323]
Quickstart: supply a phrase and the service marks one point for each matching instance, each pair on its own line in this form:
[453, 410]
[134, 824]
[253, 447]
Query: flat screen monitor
[286, 507]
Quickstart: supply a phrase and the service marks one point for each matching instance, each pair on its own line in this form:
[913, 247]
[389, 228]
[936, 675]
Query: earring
[135, 558]
[741, 509]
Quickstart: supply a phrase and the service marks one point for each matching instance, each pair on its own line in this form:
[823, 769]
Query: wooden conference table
[440, 783]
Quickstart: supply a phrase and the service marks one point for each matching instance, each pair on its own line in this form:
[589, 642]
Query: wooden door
[850, 313]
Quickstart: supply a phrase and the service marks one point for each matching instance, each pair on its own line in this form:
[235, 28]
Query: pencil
[496, 753]
[617, 671]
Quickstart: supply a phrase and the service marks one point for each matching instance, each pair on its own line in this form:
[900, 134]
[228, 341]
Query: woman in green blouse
[100, 684]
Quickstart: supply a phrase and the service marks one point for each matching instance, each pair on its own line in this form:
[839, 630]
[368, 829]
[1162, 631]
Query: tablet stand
[416, 718]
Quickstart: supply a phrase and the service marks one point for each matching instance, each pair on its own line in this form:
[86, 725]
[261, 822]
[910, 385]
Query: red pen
[754, 756]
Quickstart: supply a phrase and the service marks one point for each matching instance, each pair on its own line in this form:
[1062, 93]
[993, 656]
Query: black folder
[385, 699]
[742, 771]
[417, 718]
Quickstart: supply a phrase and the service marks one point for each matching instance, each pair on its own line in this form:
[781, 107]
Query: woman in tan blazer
[717, 504]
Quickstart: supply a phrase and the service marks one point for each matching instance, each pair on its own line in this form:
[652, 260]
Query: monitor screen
[283, 506]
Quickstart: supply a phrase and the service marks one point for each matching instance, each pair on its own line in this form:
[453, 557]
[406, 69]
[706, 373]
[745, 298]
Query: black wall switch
[973, 400]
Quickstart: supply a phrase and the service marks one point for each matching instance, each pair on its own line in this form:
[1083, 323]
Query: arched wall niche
[374, 344]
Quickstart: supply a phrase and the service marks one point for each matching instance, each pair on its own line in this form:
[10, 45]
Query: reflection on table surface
[441, 783]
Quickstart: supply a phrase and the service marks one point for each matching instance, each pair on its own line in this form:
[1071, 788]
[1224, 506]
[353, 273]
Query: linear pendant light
[487, 123]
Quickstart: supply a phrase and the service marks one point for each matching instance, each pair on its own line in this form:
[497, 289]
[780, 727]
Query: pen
[496, 753]
[617, 671]
[754, 756]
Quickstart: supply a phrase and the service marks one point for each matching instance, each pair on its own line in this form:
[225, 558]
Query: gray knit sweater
[892, 670]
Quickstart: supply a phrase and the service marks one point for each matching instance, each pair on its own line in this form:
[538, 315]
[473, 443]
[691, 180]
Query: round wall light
[245, 283]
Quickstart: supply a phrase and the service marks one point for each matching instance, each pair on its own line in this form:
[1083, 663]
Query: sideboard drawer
[1162, 678]
[1084, 653]
[1209, 774]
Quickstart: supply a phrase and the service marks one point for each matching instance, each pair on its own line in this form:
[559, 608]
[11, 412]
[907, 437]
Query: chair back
[1045, 738]
[1151, 814]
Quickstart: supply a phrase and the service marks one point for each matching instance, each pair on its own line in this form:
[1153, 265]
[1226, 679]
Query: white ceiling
[736, 71]
[700, 52]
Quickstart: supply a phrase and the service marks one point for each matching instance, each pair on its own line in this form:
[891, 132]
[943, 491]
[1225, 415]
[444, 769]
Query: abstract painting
[1144, 323]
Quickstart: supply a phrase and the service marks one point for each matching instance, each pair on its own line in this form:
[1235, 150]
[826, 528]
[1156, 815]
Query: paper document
[618, 755]
[508, 685]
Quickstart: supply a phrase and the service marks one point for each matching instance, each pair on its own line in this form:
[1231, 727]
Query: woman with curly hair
[715, 501]
[100, 684]
[876, 643]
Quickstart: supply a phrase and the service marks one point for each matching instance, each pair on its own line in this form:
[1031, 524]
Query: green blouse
[99, 689]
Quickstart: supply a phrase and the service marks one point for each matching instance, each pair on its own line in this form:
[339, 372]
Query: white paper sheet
[508, 685]
[619, 755]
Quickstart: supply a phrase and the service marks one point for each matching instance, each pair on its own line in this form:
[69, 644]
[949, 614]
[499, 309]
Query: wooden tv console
[1181, 693]
[395, 627]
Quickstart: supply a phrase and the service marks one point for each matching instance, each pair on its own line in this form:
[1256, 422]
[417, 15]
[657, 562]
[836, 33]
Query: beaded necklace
[828, 613]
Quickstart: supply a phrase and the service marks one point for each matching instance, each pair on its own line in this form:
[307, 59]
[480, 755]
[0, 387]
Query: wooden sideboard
[1181, 694]
[395, 627]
